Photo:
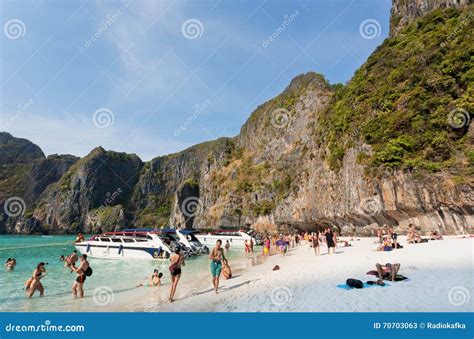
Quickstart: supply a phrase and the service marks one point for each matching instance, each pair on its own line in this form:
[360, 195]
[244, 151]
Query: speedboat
[130, 244]
[235, 238]
[188, 238]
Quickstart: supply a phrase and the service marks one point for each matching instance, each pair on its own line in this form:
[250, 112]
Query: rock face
[316, 155]
[25, 174]
[90, 195]
[405, 11]
[15, 150]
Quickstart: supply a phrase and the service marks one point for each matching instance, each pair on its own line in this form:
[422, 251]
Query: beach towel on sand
[347, 287]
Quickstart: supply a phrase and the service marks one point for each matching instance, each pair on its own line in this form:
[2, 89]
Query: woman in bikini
[176, 261]
[35, 283]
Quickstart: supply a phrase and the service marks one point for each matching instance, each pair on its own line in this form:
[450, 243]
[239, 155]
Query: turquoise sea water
[120, 275]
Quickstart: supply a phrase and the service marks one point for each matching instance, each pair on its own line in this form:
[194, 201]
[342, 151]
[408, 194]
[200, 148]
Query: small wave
[32, 246]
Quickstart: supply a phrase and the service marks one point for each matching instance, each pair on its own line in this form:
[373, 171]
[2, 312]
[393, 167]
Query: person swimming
[155, 279]
[10, 264]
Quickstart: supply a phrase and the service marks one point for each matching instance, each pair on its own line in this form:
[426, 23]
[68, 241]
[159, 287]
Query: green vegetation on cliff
[402, 99]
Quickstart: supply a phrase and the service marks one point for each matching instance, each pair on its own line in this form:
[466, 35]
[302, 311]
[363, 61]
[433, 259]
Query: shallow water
[119, 275]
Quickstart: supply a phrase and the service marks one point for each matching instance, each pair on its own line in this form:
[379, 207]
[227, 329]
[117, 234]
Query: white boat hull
[114, 252]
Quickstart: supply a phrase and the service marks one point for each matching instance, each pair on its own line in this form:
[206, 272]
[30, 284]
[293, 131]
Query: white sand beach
[440, 279]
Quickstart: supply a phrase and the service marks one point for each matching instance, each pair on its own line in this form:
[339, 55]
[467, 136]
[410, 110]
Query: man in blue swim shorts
[217, 257]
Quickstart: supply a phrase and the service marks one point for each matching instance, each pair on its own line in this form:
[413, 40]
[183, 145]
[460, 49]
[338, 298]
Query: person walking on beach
[266, 246]
[217, 257]
[316, 242]
[330, 240]
[34, 282]
[176, 261]
[82, 272]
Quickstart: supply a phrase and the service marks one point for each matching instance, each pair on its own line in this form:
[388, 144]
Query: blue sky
[154, 77]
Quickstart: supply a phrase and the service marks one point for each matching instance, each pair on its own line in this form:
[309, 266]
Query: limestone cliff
[394, 145]
[405, 11]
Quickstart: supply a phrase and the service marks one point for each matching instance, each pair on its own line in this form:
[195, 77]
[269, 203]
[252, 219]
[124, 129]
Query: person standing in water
[77, 286]
[176, 261]
[217, 257]
[227, 245]
[35, 282]
[246, 247]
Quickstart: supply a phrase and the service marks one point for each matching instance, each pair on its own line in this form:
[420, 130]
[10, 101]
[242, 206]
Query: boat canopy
[140, 230]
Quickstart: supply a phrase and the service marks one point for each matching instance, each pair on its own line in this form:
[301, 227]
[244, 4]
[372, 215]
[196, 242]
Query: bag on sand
[354, 283]
[88, 271]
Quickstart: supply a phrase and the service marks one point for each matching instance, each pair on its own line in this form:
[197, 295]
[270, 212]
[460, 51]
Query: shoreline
[439, 272]
[307, 283]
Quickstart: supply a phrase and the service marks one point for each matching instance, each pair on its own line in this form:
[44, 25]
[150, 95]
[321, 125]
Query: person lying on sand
[436, 236]
[387, 272]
